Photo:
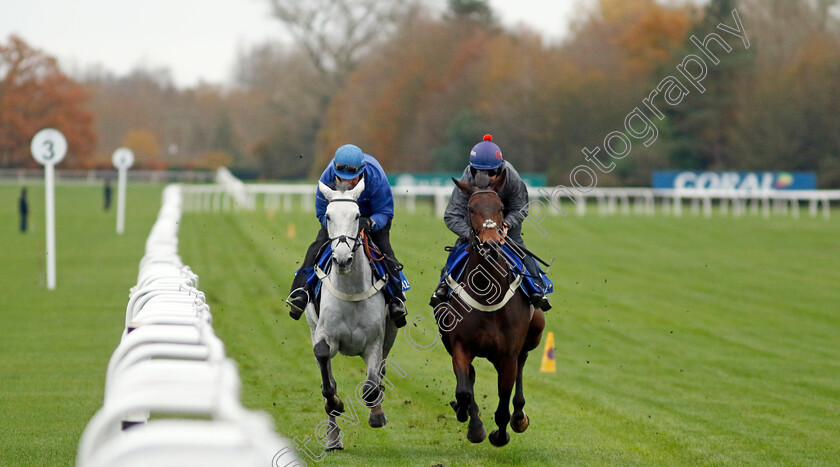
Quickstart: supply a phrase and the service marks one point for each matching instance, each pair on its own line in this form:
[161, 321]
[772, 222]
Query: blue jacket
[375, 201]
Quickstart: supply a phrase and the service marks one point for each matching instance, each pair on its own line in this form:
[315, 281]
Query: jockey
[486, 164]
[376, 206]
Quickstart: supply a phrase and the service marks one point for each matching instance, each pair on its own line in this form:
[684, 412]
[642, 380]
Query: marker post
[49, 148]
[123, 158]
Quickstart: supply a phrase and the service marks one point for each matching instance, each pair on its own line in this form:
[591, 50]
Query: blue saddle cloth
[379, 271]
[457, 262]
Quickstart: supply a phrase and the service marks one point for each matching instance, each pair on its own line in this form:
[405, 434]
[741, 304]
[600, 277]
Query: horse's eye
[470, 209]
[357, 217]
[327, 217]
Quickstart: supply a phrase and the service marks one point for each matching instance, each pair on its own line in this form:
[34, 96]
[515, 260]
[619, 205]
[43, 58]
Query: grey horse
[353, 318]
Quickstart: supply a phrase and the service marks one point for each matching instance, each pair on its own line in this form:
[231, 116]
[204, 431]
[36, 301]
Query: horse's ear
[358, 189]
[465, 188]
[499, 184]
[326, 191]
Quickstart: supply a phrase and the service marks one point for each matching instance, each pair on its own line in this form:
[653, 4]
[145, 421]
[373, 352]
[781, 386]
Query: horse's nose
[344, 263]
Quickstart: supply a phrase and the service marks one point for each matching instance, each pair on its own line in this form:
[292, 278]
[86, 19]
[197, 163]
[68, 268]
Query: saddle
[456, 263]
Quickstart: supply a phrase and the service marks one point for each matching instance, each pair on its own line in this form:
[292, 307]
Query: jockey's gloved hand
[366, 223]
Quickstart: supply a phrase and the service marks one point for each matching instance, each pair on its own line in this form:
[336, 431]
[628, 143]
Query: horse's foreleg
[519, 421]
[507, 369]
[372, 390]
[332, 403]
[475, 430]
[461, 362]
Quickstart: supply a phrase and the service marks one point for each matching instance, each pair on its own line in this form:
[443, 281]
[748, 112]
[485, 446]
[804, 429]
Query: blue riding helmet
[349, 161]
[486, 155]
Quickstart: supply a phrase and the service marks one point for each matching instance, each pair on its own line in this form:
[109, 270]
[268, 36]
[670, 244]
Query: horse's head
[485, 209]
[342, 217]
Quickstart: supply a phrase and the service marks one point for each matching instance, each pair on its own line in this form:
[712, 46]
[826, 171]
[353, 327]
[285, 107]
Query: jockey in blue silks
[486, 164]
[376, 206]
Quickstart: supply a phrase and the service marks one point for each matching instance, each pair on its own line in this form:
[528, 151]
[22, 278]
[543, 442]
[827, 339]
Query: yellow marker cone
[291, 230]
[548, 364]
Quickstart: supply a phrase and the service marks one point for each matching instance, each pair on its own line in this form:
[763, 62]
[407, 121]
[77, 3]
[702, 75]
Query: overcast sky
[196, 39]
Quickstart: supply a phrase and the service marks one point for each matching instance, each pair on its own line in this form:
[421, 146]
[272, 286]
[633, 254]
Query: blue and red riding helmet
[486, 155]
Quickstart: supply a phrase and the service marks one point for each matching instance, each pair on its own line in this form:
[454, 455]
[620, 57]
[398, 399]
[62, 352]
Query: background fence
[231, 194]
[95, 176]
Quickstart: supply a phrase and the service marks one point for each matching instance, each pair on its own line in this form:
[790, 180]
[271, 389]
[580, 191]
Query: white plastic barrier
[195, 443]
[170, 362]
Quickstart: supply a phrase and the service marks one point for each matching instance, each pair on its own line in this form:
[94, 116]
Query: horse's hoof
[377, 420]
[496, 438]
[519, 425]
[476, 435]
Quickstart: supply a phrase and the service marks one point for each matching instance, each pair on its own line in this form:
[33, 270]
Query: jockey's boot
[297, 301]
[539, 300]
[397, 311]
[439, 296]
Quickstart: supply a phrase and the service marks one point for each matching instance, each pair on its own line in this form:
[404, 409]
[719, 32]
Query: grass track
[55, 345]
[679, 341]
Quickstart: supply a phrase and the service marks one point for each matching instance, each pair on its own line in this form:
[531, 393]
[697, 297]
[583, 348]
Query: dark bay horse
[488, 317]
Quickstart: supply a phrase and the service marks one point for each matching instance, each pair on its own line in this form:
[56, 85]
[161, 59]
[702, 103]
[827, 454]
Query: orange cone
[548, 365]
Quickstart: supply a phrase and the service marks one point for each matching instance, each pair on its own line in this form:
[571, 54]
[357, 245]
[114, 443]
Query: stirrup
[294, 300]
[397, 312]
[439, 295]
[540, 301]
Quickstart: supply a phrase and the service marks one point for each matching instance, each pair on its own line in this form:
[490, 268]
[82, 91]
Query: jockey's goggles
[491, 173]
[348, 169]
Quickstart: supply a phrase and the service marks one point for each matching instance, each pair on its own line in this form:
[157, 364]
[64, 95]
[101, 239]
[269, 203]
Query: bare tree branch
[336, 34]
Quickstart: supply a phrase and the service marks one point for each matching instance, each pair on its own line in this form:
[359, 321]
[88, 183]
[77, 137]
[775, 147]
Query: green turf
[55, 344]
[679, 341]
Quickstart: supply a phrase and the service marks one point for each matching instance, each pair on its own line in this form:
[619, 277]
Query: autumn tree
[36, 94]
[472, 10]
[280, 109]
[705, 126]
[335, 35]
[146, 147]
[790, 122]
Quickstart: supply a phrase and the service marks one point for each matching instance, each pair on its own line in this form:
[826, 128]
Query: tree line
[417, 88]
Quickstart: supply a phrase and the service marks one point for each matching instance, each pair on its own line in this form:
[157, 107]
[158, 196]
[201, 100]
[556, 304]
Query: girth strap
[459, 289]
[373, 290]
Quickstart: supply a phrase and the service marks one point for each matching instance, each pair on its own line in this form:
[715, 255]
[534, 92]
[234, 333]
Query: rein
[368, 250]
[459, 289]
[360, 239]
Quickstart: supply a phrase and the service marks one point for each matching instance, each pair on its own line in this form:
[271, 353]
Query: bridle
[357, 242]
[488, 224]
[458, 289]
